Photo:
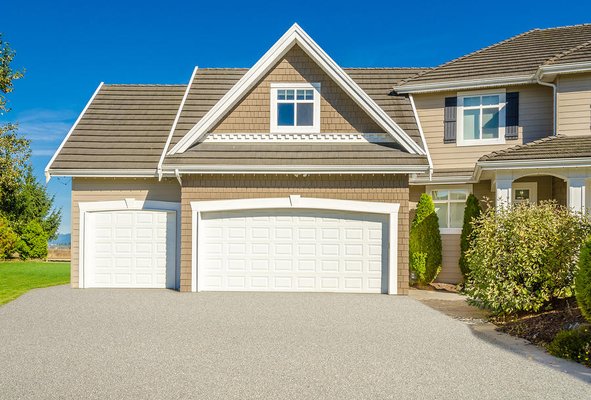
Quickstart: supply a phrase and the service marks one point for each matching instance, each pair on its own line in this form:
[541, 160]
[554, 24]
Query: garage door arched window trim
[298, 202]
[127, 204]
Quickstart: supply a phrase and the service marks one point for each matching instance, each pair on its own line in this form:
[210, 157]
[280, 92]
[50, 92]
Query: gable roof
[553, 147]
[513, 61]
[294, 36]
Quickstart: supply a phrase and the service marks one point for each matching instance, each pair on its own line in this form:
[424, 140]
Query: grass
[18, 277]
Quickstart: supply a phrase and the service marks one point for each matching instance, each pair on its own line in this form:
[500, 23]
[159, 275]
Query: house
[300, 175]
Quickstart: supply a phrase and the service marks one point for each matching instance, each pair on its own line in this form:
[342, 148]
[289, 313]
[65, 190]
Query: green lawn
[18, 277]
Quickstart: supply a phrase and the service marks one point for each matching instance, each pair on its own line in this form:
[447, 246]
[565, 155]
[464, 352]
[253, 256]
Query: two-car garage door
[293, 250]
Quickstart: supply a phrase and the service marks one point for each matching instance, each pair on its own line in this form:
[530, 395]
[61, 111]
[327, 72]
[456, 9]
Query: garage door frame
[126, 205]
[297, 202]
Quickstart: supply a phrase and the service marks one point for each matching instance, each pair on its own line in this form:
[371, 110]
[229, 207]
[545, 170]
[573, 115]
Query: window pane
[439, 194]
[471, 101]
[289, 94]
[441, 210]
[521, 195]
[490, 100]
[301, 95]
[458, 195]
[456, 216]
[305, 114]
[490, 123]
[309, 95]
[285, 114]
[471, 124]
[281, 95]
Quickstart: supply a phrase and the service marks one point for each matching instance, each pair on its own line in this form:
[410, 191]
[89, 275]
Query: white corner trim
[297, 202]
[295, 35]
[298, 137]
[47, 173]
[123, 205]
[175, 122]
[423, 139]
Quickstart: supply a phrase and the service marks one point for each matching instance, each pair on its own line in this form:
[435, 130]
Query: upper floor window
[295, 107]
[481, 119]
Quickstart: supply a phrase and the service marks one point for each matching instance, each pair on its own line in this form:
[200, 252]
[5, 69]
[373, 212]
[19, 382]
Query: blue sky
[68, 48]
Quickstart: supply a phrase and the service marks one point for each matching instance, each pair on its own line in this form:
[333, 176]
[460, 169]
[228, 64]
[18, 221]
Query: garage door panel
[300, 250]
[133, 248]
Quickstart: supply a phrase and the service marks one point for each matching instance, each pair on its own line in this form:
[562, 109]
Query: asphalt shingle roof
[553, 147]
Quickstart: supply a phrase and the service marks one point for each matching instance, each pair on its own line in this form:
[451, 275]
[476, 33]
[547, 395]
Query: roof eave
[296, 169]
[465, 84]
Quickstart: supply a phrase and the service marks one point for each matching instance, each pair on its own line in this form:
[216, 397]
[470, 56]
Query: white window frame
[315, 128]
[460, 118]
[445, 230]
[531, 186]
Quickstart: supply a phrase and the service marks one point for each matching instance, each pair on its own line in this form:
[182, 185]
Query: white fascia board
[48, 173]
[105, 173]
[295, 35]
[423, 139]
[456, 180]
[544, 163]
[564, 68]
[175, 122]
[297, 169]
[465, 84]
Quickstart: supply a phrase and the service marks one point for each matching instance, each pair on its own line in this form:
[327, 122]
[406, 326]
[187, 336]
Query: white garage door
[130, 249]
[293, 250]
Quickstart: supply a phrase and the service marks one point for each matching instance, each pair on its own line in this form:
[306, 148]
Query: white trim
[297, 202]
[275, 128]
[540, 163]
[423, 139]
[553, 69]
[47, 173]
[122, 205]
[464, 84]
[298, 137]
[443, 180]
[531, 186]
[461, 142]
[295, 35]
[106, 173]
[175, 122]
[300, 169]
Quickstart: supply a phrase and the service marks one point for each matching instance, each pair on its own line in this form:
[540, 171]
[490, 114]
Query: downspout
[555, 102]
[429, 159]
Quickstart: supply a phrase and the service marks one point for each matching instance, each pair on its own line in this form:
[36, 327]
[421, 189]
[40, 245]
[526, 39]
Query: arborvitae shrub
[425, 242]
[583, 281]
[471, 213]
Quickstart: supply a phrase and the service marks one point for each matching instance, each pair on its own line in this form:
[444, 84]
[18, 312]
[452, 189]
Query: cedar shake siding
[380, 188]
[109, 189]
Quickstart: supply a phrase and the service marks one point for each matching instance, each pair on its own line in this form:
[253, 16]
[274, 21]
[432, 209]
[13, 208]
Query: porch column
[575, 195]
[503, 191]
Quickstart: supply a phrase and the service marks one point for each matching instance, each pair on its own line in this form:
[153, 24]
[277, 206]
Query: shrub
[425, 242]
[524, 256]
[8, 239]
[573, 345]
[33, 241]
[471, 213]
[583, 281]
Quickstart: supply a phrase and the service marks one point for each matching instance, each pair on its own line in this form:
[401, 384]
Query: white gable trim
[295, 35]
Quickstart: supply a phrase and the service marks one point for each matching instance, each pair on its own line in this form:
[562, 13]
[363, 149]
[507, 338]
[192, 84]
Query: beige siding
[98, 189]
[574, 104]
[338, 112]
[535, 122]
[390, 189]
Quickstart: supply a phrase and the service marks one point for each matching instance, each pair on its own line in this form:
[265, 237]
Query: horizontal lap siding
[535, 122]
[574, 104]
[390, 189]
[99, 189]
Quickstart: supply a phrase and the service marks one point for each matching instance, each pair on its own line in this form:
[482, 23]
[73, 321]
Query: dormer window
[295, 107]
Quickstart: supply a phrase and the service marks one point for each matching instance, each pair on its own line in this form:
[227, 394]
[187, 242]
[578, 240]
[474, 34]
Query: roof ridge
[558, 56]
[565, 26]
[404, 81]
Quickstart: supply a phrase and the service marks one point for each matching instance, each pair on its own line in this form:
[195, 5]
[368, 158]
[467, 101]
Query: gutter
[296, 169]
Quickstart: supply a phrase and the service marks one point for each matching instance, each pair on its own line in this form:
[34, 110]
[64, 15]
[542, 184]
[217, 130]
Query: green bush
[33, 241]
[524, 256]
[573, 345]
[471, 212]
[583, 281]
[425, 242]
[8, 239]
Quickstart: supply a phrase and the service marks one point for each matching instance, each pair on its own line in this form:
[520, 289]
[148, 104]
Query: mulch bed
[540, 328]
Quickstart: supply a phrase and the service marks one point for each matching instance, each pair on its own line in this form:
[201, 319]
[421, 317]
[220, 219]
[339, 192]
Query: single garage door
[293, 250]
[130, 249]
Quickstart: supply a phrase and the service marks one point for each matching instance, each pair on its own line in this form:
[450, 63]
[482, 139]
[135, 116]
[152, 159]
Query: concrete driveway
[65, 343]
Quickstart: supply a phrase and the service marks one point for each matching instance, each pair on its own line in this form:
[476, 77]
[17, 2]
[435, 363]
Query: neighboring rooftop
[553, 147]
[520, 55]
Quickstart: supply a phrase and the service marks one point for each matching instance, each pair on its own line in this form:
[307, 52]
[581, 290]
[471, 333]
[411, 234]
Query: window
[481, 119]
[295, 108]
[449, 206]
[524, 192]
